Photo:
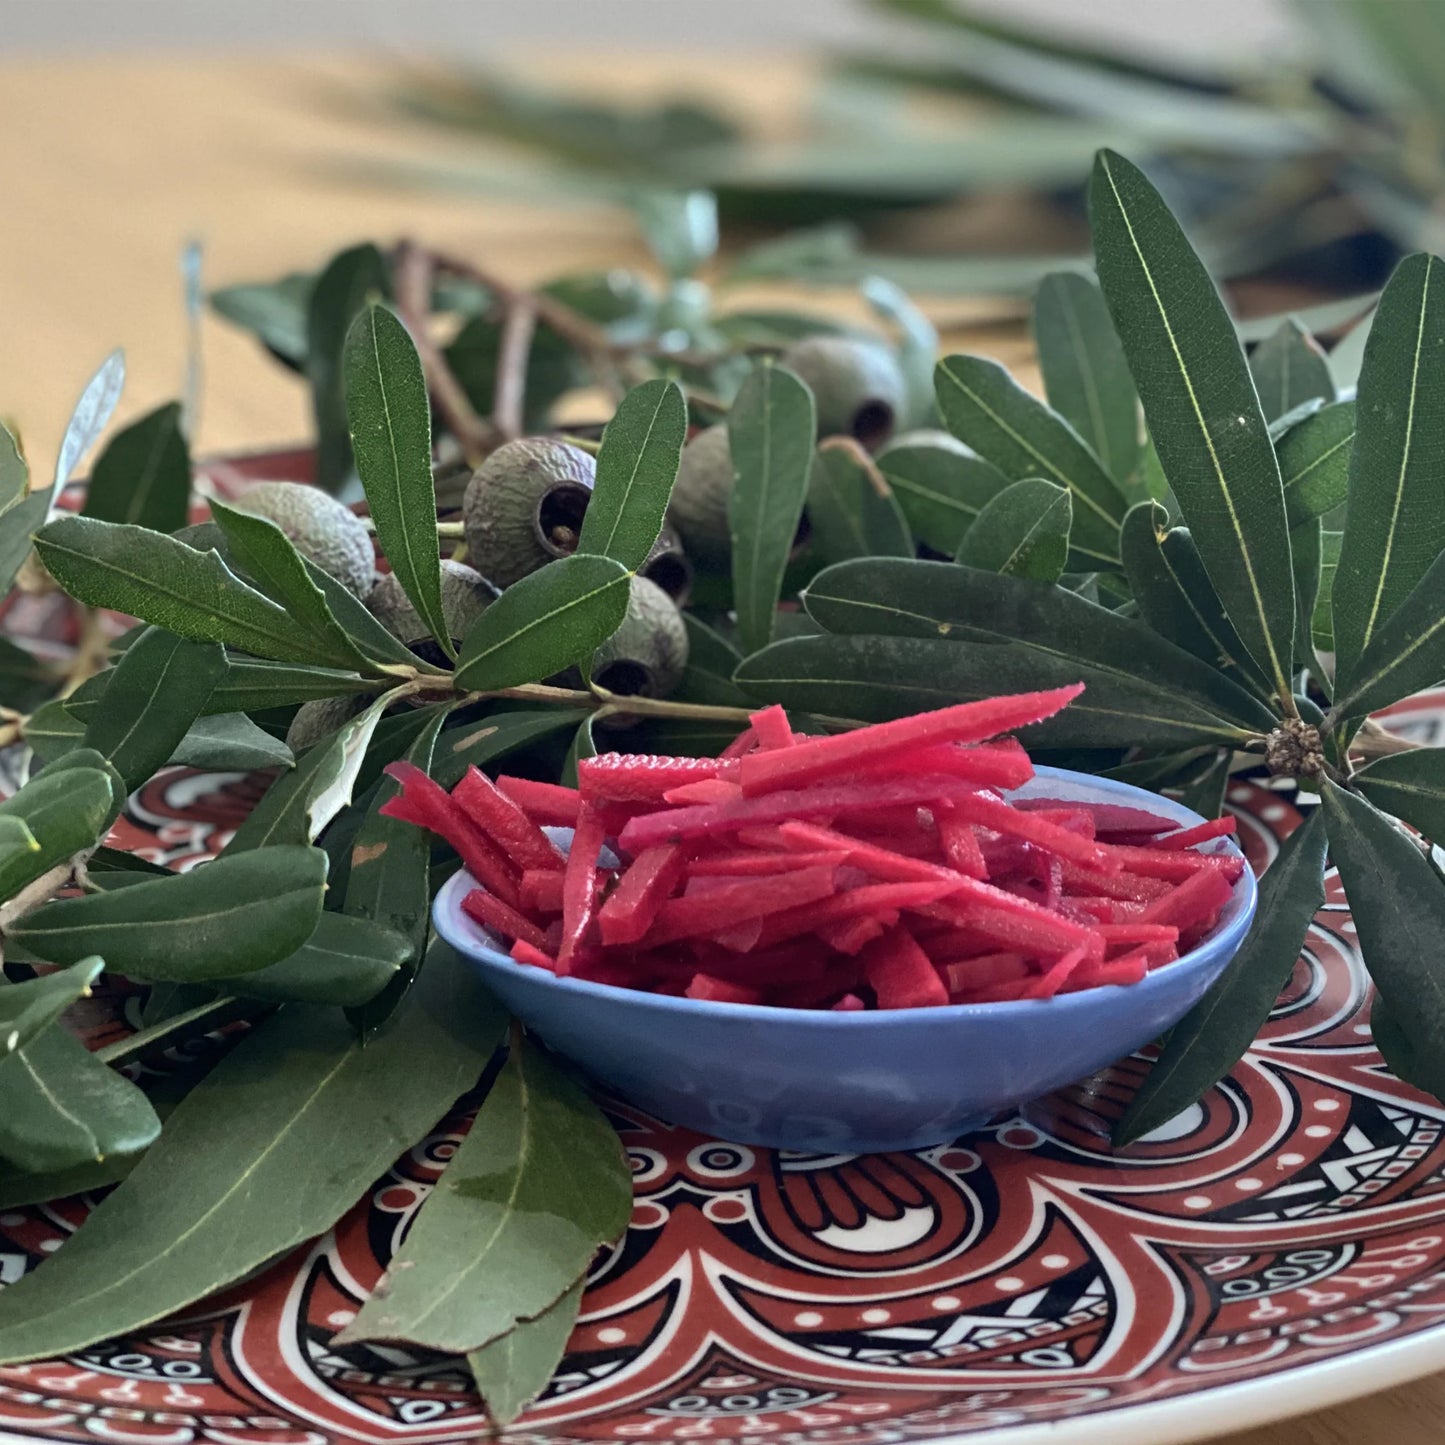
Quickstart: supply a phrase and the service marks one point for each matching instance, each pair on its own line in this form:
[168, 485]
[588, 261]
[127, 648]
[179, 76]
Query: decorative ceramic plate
[1277, 1248]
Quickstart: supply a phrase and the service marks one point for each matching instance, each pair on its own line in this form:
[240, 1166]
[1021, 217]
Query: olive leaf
[230, 743]
[345, 961]
[275, 312]
[65, 1109]
[513, 1370]
[1212, 1037]
[1200, 402]
[1406, 1062]
[1306, 543]
[1204, 792]
[989, 411]
[851, 508]
[584, 745]
[307, 1115]
[349, 281]
[228, 917]
[711, 662]
[680, 227]
[917, 346]
[552, 619]
[770, 436]
[170, 585]
[18, 527]
[636, 467]
[537, 1186]
[153, 697]
[1314, 462]
[1022, 532]
[1397, 903]
[1289, 369]
[1395, 527]
[14, 474]
[1409, 785]
[387, 653]
[475, 744]
[1086, 376]
[253, 686]
[28, 1008]
[90, 417]
[389, 414]
[144, 474]
[940, 488]
[64, 811]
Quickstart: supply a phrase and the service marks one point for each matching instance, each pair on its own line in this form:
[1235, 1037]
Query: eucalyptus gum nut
[699, 506]
[858, 386]
[320, 718]
[524, 507]
[325, 531]
[647, 654]
[667, 565]
[466, 594]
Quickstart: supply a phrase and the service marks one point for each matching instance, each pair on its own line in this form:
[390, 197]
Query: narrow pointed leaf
[495, 736]
[936, 600]
[252, 686]
[144, 474]
[1410, 786]
[1306, 543]
[170, 585]
[65, 1109]
[1425, 1071]
[1289, 369]
[227, 917]
[1216, 1033]
[1086, 376]
[17, 534]
[636, 467]
[917, 346]
[989, 411]
[91, 416]
[536, 1187]
[346, 961]
[1314, 462]
[14, 474]
[770, 436]
[1395, 525]
[230, 743]
[389, 413]
[512, 1371]
[1397, 904]
[1023, 532]
[584, 745]
[552, 619]
[940, 489]
[851, 508]
[154, 695]
[1204, 793]
[1200, 402]
[28, 1008]
[275, 312]
[306, 1115]
[65, 812]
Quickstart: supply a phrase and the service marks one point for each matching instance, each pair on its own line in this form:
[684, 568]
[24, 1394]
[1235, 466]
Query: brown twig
[414, 270]
[512, 356]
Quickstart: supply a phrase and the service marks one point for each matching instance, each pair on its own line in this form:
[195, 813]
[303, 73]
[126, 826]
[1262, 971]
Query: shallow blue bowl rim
[463, 935]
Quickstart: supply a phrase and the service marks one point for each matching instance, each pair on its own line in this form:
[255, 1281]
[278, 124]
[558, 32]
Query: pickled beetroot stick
[637, 777]
[961, 846]
[900, 972]
[1116, 933]
[1108, 817]
[870, 900]
[850, 935]
[504, 822]
[705, 914]
[669, 825]
[986, 970]
[1002, 764]
[1198, 897]
[814, 759]
[720, 990]
[1032, 932]
[580, 885]
[523, 952]
[752, 863]
[1155, 862]
[740, 746]
[772, 729]
[484, 908]
[1200, 833]
[541, 890]
[646, 882]
[547, 804]
[1128, 886]
[882, 862]
[997, 815]
[705, 790]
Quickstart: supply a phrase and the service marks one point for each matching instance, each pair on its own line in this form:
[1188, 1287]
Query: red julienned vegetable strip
[579, 885]
[720, 990]
[870, 900]
[754, 863]
[489, 910]
[546, 804]
[1155, 862]
[849, 935]
[994, 813]
[705, 790]
[637, 777]
[1002, 764]
[496, 814]
[900, 972]
[523, 952]
[1199, 897]
[1200, 833]
[1056, 976]
[961, 846]
[882, 862]
[740, 746]
[813, 759]
[647, 881]
[771, 728]
[541, 890]
[737, 903]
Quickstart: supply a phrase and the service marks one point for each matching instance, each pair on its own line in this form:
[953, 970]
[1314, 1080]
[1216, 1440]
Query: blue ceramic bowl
[865, 1082]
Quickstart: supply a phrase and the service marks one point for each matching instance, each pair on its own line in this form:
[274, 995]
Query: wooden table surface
[108, 168]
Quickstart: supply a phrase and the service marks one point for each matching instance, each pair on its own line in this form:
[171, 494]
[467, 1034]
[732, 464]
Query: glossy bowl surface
[827, 1082]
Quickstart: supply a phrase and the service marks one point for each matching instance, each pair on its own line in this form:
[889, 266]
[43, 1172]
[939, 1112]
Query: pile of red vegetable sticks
[881, 868]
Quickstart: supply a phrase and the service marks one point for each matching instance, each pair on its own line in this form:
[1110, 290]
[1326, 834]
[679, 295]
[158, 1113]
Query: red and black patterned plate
[1279, 1247]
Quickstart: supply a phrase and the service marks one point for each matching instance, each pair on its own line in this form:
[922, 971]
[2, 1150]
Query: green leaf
[1023, 532]
[583, 746]
[230, 743]
[387, 653]
[65, 811]
[170, 585]
[536, 1187]
[1174, 593]
[389, 414]
[851, 508]
[512, 1371]
[711, 662]
[275, 311]
[917, 346]
[1306, 543]
[389, 880]
[226, 917]
[872, 679]
[1395, 527]
[495, 736]
[636, 467]
[64, 1108]
[1205, 792]
[252, 686]
[680, 227]
[770, 436]
[266, 555]
[1200, 402]
[349, 282]
[296, 1112]
[1324, 632]
[91, 416]
[554, 618]
[1217, 1032]
[1397, 903]
[1289, 369]
[154, 695]
[989, 411]
[53, 730]
[941, 489]
[144, 474]
[30, 1007]
[940, 600]
[25, 679]
[1314, 461]
[1409, 785]
[18, 846]
[1086, 376]
[1424, 1072]
[14, 474]
[17, 534]
[346, 961]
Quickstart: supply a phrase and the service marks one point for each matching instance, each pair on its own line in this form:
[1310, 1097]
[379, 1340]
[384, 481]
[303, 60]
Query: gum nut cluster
[857, 386]
[323, 530]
